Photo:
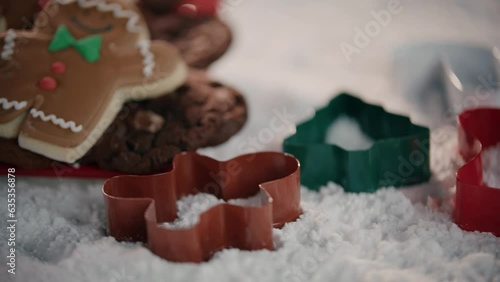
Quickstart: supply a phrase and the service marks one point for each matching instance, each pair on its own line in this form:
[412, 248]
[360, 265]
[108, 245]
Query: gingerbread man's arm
[17, 52]
[8, 46]
[12, 47]
[150, 59]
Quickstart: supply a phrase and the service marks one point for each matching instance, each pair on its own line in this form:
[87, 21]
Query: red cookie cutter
[476, 205]
[136, 205]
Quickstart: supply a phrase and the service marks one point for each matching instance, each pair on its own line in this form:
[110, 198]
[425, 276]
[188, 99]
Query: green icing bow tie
[89, 47]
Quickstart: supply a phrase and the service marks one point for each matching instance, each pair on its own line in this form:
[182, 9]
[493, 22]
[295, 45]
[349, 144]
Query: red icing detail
[58, 68]
[47, 83]
[193, 8]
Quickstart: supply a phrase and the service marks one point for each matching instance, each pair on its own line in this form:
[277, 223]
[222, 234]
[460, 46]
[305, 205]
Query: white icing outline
[117, 10]
[57, 121]
[149, 57]
[18, 105]
[9, 45]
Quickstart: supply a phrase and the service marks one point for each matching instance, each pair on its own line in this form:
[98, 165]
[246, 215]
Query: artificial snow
[491, 166]
[340, 236]
[345, 132]
[391, 235]
[253, 201]
[189, 208]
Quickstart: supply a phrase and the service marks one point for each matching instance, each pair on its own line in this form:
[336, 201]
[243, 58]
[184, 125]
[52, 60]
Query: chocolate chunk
[147, 121]
[140, 142]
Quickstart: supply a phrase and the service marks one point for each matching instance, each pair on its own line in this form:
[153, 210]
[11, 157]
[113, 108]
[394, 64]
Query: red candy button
[58, 68]
[47, 83]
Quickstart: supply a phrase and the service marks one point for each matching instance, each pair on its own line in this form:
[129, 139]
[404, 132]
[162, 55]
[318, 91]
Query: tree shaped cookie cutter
[398, 157]
[476, 204]
[137, 204]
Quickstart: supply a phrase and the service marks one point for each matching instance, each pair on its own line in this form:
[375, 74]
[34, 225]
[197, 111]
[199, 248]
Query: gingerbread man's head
[118, 22]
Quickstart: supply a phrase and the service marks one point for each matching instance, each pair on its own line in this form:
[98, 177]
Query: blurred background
[293, 53]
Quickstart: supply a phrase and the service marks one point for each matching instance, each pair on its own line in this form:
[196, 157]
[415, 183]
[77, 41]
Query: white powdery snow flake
[491, 166]
[254, 201]
[189, 208]
[346, 132]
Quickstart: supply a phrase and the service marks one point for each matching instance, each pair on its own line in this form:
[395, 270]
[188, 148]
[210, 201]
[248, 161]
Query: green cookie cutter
[398, 157]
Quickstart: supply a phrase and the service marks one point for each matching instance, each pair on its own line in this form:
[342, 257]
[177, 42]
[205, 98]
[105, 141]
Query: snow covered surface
[189, 208]
[346, 133]
[286, 59]
[253, 201]
[491, 166]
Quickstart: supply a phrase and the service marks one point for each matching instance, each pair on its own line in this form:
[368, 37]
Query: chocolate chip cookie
[201, 40]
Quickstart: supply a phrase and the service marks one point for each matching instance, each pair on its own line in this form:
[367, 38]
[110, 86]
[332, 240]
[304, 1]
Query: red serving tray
[63, 171]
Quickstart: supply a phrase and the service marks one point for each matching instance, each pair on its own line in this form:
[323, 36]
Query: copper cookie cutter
[136, 205]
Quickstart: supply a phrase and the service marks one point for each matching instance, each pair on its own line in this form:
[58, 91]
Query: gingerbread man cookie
[64, 82]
